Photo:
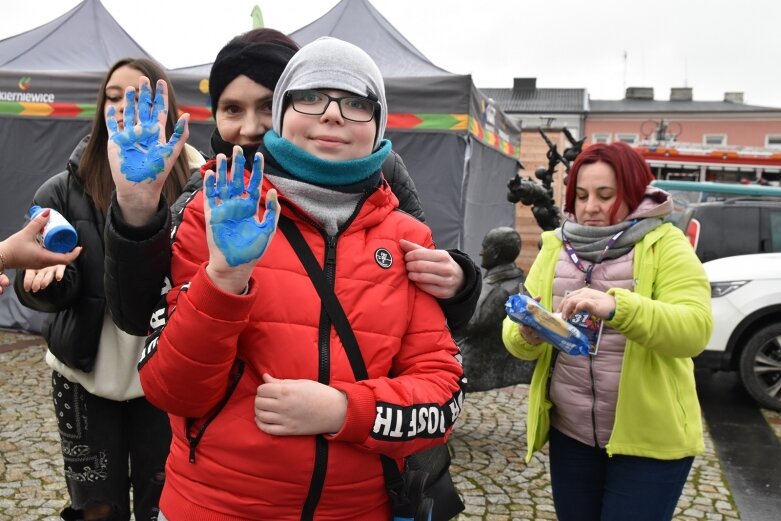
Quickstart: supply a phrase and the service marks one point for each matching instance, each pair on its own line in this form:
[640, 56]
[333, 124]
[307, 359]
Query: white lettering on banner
[27, 97]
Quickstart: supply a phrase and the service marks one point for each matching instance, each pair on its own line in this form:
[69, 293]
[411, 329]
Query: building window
[714, 139]
[600, 137]
[629, 139]
[773, 141]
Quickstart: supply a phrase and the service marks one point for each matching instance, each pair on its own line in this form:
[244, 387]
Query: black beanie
[263, 63]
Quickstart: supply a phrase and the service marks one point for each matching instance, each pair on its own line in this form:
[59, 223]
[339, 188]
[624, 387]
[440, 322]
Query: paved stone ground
[488, 452]
[497, 485]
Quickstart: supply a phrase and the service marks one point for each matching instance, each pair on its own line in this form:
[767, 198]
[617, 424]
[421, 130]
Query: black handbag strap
[333, 307]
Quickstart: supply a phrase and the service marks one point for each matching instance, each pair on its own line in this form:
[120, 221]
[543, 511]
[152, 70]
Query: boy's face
[244, 112]
[329, 136]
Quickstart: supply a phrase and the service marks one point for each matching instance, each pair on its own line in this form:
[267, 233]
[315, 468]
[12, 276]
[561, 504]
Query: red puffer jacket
[204, 363]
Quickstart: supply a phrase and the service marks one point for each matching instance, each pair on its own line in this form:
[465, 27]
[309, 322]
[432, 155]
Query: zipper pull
[330, 255]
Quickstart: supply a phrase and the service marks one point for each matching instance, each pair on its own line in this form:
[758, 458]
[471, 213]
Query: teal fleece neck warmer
[302, 165]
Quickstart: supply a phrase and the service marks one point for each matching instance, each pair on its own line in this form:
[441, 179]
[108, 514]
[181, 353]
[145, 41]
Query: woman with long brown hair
[112, 437]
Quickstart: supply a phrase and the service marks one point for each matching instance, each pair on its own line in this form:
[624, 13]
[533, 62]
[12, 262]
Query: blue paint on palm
[142, 155]
[236, 231]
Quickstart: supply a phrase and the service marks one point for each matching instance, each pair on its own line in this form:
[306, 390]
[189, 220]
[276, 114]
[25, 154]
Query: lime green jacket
[666, 321]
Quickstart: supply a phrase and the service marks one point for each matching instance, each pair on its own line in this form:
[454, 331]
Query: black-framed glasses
[314, 103]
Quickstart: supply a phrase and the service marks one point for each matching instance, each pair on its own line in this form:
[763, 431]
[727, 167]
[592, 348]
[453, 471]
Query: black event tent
[49, 79]
[458, 146]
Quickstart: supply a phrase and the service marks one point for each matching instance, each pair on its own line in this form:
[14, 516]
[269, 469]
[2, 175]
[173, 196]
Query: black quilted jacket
[78, 301]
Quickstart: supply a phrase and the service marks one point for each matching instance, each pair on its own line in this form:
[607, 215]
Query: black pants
[109, 446]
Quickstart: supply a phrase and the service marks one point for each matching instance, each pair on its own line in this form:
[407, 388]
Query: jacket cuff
[361, 413]
[460, 307]
[138, 233]
[472, 277]
[212, 301]
[622, 304]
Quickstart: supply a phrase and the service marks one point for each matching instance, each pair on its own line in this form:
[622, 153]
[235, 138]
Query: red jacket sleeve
[186, 364]
[416, 406]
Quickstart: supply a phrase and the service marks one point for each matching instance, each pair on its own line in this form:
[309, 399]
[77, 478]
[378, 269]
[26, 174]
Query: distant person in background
[112, 437]
[23, 250]
[624, 423]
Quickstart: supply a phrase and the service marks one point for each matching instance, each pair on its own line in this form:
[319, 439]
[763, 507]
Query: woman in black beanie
[241, 85]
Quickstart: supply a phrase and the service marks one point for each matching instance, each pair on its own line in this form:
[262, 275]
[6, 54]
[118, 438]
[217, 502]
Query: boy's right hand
[236, 239]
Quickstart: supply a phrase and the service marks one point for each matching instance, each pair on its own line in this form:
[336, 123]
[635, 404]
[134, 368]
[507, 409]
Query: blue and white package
[554, 330]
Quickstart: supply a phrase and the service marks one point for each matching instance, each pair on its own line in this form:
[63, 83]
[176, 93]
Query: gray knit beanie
[330, 63]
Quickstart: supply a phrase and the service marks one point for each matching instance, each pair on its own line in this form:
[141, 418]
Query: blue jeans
[588, 485]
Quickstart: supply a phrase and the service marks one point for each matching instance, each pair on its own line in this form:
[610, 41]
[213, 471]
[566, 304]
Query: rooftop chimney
[524, 83]
[640, 93]
[733, 97]
[681, 94]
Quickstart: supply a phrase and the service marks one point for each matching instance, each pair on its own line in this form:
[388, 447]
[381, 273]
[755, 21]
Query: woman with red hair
[624, 421]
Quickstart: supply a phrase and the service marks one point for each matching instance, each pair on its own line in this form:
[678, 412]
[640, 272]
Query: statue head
[500, 246]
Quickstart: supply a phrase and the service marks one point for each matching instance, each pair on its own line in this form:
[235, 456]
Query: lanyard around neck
[573, 256]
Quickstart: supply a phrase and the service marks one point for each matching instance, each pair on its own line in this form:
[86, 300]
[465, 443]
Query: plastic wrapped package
[548, 326]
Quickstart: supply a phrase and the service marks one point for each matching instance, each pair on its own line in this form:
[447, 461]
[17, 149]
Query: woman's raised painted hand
[236, 238]
[139, 155]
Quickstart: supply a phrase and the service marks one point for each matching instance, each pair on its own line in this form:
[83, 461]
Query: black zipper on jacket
[236, 371]
[324, 377]
[320, 466]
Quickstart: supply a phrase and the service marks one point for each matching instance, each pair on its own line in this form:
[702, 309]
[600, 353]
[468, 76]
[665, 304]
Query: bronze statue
[487, 363]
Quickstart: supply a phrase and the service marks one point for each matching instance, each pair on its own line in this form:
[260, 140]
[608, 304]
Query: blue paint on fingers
[145, 104]
[234, 210]
[142, 154]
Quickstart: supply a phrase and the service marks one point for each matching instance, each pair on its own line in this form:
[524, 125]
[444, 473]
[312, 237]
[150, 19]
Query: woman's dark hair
[632, 174]
[94, 171]
[266, 35]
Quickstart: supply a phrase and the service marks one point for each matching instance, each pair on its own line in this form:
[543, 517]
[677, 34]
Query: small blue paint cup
[58, 235]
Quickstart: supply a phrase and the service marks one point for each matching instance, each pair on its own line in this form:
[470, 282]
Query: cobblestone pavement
[488, 452]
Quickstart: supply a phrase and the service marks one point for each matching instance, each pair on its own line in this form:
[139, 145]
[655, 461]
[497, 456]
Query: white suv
[746, 300]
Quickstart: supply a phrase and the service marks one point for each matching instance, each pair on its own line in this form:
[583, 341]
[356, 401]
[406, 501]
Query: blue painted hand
[142, 149]
[233, 210]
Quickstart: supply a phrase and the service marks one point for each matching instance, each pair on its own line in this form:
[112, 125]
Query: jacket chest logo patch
[383, 258]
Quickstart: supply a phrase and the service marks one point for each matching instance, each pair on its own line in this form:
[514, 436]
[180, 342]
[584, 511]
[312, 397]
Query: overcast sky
[713, 46]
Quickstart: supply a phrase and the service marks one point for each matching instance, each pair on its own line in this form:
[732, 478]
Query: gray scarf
[589, 241]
